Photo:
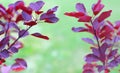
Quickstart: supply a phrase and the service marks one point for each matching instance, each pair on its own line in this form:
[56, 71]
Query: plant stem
[19, 37]
[95, 35]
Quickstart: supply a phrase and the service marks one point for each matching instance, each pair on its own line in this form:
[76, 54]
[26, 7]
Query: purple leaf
[80, 7]
[96, 52]
[40, 36]
[100, 68]
[4, 42]
[97, 24]
[88, 40]
[18, 45]
[112, 53]
[79, 29]
[113, 63]
[11, 25]
[4, 53]
[13, 49]
[37, 5]
[103, 48]
[51, 11]
[26, 16]
[49, 16]
[52, 20]
[46, 16]
[23, 33]
[91, 58]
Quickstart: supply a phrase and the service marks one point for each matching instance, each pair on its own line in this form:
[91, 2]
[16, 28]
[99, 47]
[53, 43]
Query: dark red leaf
[38, 12]
[97, 7]
[85, 18]
[74, 14]
[19, 5]
[30, 23]
[104, 15]
[40, 36]
[19, 18]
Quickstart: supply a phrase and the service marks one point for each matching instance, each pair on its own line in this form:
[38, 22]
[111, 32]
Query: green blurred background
[64, 52]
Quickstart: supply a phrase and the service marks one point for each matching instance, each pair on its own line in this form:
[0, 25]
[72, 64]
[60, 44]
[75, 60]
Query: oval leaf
[40, 36]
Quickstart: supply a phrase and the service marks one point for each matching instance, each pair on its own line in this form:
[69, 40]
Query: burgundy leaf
[79, 29]
[40, 36]
[91, 58]
[85, 18]
[38, 12]
[30, 23]
[97, 7]
[88, 40]
[19, 5]
[10, 9]
[88, 66]
[104, 15]
[74, 14]
[2, 61]
[19, 65]
[80, 8]
[19, 18]
[27, 10]
[37, 5]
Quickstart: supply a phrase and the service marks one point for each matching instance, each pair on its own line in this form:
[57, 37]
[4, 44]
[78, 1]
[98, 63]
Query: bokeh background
[64, 52]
